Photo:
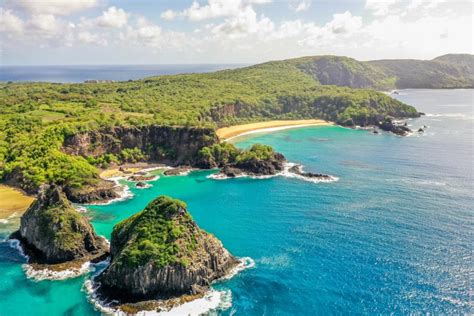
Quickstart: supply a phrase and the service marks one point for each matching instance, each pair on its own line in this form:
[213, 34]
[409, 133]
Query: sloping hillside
[448, 71]
[36, 118]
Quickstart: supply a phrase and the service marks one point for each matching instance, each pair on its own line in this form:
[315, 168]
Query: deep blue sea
[74, 74]
[393, 236]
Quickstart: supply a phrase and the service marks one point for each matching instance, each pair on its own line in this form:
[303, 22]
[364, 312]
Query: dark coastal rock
[421, 130]
[161, 253]
[298, 170]
[141, 185]
[259, 160]
[100, 191]
[389, 126]
[141, 177]
[171, 145]
[52, 231]
[176, 171]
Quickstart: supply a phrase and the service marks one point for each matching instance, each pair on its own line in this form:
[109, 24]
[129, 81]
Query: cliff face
[54, 232]
[167, 144]
[160, 253]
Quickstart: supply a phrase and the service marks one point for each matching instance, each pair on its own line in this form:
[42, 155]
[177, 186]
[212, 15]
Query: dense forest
[36, 118]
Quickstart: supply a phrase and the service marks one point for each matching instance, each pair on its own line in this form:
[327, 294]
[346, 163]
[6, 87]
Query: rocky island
[160, 253]
[53, 232]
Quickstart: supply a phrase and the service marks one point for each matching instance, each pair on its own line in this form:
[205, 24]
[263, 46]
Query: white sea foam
[80, 208]
[16, 244]
[463, 116]
[145, 186]
[212, 301]
[7, 220]
[285, 173]
[244, 263]
[123, 192]
[47, 274]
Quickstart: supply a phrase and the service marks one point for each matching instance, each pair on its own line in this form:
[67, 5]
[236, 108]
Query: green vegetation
[447, 71]
[163, 233]
[219, 155]
[256, 152]
[60, 226]
[35, 118]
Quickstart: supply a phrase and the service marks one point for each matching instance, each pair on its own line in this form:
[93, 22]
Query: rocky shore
[52, 232]
[160, 253]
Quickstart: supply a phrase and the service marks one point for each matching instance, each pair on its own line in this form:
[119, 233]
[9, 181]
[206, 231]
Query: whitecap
[244, 263]
[286, 173]
[16, 244]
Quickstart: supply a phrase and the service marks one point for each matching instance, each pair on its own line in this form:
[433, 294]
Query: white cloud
[380, 7]
[89, 38]
[146, 34]
[10, 23]
[244, 23]
[113, 17]
[46, 24]
[344, 23]
[56, 7]
[213, 9]
[168, 15]
[300, 6]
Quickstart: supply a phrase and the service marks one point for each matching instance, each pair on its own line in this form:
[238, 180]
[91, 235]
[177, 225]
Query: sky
[94, 32]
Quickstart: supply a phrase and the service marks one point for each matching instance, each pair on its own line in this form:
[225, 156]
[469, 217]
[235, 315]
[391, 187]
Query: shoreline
[13, 202]
[228, 133]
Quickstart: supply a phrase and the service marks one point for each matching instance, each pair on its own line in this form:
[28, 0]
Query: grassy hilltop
[35, 118]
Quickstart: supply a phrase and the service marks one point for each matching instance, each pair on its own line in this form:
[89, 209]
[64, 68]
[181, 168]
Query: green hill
[35, 118]
[444, 72]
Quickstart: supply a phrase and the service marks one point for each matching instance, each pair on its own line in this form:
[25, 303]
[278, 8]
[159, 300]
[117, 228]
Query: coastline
[228, 133]
[13, 202]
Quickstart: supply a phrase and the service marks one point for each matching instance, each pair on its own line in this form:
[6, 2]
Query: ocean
[81, 73]
[393, 235]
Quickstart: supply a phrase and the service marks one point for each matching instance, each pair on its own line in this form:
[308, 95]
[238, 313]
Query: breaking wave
[285, 173]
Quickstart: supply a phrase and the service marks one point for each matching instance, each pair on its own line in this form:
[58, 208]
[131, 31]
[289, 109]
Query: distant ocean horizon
[81, 73]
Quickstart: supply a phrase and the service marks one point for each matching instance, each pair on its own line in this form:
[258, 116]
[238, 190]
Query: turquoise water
[393, 235]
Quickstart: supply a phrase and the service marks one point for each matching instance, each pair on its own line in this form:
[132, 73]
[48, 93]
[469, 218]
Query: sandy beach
[226, 133]
[127, 169]
[13, 201]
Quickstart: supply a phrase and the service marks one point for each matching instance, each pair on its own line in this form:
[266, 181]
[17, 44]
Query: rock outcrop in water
[100, 191]
[255, 166]
[52, 231]
[161, 253]
[298, 170]
[259, 160]
[389, 125]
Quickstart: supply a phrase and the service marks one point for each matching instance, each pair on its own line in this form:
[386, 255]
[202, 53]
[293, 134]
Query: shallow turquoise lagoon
[393, 235]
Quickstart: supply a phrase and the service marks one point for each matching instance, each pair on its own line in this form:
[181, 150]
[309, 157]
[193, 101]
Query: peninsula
[64, 134]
